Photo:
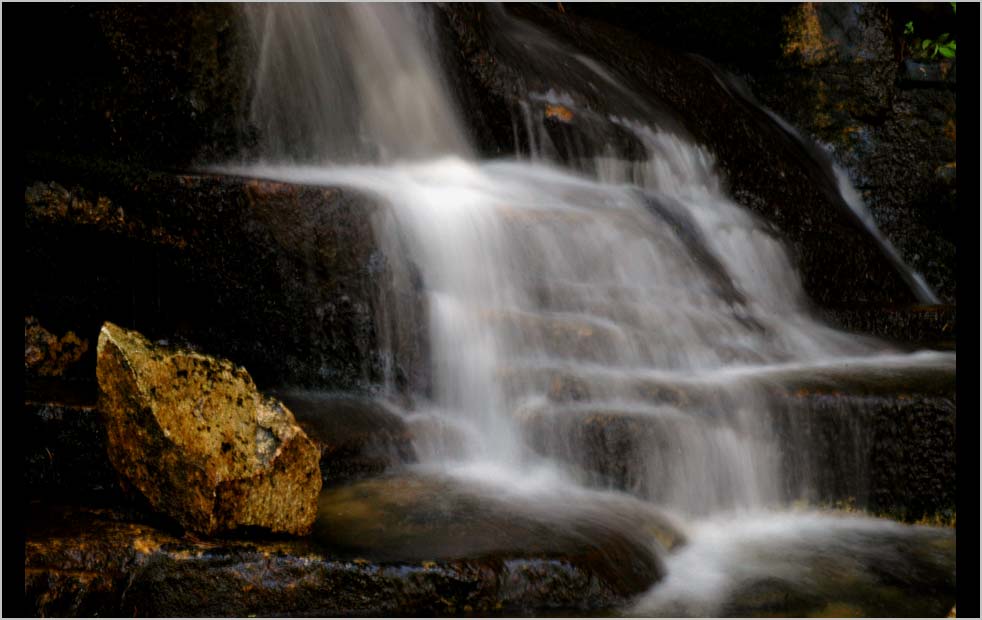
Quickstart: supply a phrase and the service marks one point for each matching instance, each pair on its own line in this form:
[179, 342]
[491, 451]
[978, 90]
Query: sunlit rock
[193, 434]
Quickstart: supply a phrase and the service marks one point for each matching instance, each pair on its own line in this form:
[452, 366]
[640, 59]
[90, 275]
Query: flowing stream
[626, 289]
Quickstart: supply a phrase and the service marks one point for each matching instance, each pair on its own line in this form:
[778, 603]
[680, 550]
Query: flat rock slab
[200, 442]
[100, 562]
[424, 515]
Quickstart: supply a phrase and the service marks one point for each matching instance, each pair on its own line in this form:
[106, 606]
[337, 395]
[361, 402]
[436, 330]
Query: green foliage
[944, 45]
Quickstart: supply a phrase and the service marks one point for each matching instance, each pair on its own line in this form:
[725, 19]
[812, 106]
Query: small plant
[944, 45]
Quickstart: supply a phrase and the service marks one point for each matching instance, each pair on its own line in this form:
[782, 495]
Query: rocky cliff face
[283, 279]
[890, 122]
[149, 87]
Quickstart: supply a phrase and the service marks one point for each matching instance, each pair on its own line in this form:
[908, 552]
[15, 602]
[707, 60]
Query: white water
[644, 272]
[349, 82]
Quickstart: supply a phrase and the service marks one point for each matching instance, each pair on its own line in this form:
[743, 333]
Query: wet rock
[933, 327]
[845, 567]
[803, 204]
[99, 562]
[887, 120]
[287, 280]
[413, 517]
[197, 439]
[888, 451]
[357, 436]
[915, 578]
[47, 355]
[889, 455]
[943, 71]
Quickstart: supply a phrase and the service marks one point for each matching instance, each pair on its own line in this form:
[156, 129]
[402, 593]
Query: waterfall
[626, 289]
[348, 83]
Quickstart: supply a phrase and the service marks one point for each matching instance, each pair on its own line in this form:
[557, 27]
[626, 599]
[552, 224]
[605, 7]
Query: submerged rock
[413, 517]
[801, 564]
[583, 550]
[194, 435]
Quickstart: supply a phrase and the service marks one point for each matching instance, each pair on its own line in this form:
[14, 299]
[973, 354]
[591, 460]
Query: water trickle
[629, 293]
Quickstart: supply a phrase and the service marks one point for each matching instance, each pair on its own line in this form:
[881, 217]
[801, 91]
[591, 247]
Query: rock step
[428, 550]
[891, 455]
[923, 326]
[621, 335]
[565, 295]
[926, 373]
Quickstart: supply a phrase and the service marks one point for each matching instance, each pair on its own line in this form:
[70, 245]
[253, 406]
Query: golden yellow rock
[559, 112]
[197, 438]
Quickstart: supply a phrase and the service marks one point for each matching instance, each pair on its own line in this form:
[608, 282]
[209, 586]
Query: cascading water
[630, 290]
[348, 83]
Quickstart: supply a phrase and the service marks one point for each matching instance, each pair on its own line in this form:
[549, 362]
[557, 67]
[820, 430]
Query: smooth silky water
[628, 279]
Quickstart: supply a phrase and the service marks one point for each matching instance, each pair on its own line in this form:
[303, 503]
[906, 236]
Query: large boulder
[197, 438]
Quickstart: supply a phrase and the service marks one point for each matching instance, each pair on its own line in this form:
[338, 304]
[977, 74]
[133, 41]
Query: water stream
[621, 288]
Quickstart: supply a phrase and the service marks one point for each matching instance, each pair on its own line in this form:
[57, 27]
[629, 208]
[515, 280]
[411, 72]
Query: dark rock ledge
[85, 561]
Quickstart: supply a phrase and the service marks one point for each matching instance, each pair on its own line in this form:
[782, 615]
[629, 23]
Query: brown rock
[47, 355]
[99, 562]
[196, 437]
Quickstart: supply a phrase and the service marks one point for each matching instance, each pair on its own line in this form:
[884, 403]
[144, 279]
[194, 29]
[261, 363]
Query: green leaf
[947, 52]
[909, 28]
[952, 45]
[952, 6]
[925, 44]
